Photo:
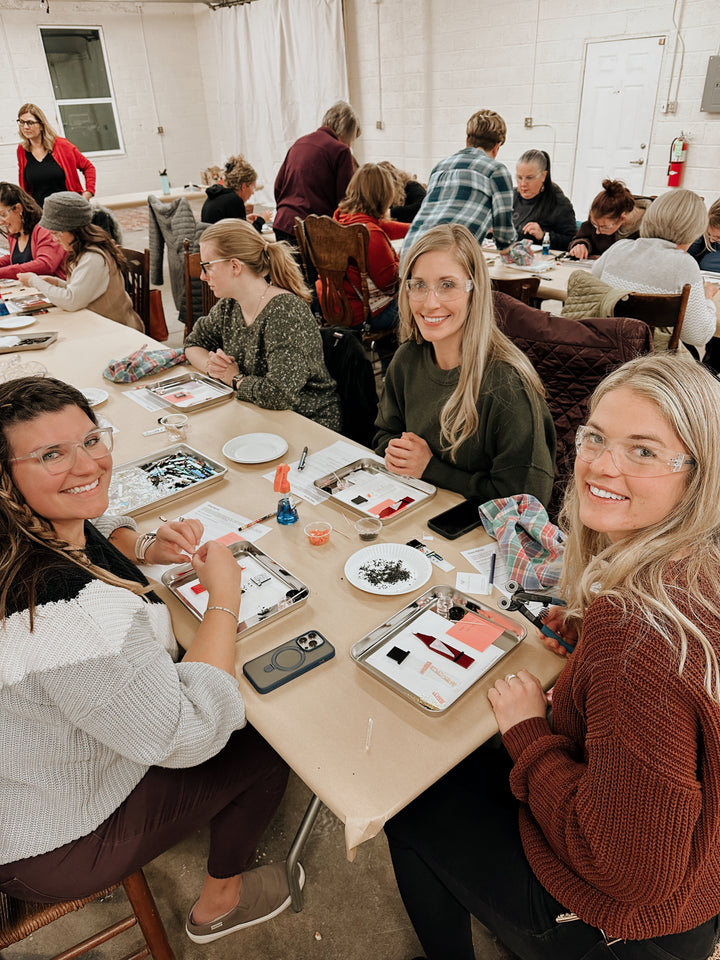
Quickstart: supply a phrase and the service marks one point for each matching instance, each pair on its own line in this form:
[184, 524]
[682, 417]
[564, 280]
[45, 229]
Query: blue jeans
[388, 317]
[457, 851]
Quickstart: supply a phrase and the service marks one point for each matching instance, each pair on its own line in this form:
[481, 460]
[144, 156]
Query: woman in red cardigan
[32, 248]
[48, 163]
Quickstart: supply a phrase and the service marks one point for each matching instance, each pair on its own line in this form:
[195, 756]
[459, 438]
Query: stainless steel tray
[29, 341]
[132, 490]
[269, 591]
[338, 484]
[184, 383]
[440, 681]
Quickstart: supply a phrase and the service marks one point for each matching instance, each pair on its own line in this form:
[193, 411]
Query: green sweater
[280, 356]
[513, 450]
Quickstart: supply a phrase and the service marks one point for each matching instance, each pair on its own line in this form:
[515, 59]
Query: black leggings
[457, 851]
[236, 792]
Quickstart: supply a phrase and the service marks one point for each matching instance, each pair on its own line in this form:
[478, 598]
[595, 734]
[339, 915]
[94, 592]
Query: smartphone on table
[456, 521]
[291, 659]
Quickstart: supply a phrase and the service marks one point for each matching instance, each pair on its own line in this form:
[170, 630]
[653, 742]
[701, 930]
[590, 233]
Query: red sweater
[48, 257]
[70, 159]
[620, 801]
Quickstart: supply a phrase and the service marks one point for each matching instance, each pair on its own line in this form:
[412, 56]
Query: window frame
[120, 149]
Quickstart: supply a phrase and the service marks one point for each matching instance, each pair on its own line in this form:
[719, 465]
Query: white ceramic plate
[255, 448]
[16, 323]
[373, 569]
[94, 396]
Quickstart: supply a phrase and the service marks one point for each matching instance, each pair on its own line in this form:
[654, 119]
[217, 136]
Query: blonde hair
[486, 129]
[48, 134]
[239, 172]
[482, 340]
[238, 240]
[370, 191]
[633, 571]
[400, 180]
[713, 222]
[679, 216]
[342, 119]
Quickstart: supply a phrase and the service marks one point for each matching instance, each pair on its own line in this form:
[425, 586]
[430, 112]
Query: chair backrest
[657, 310]
[351, 370]
[522, 288]
[193, 272]
[137, 282]
[332, 248]
[571, 357]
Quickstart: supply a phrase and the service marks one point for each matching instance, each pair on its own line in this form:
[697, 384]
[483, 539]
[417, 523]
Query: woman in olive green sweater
[462, 407]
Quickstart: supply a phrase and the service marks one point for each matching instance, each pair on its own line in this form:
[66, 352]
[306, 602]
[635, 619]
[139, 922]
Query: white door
[618, 100]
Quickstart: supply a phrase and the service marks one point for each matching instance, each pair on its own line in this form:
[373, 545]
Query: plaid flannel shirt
[468, 188]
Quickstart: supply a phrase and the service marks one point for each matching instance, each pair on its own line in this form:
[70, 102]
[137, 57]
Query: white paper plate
[381, 557]
[255, 448]
[16, 323]
[94, 396]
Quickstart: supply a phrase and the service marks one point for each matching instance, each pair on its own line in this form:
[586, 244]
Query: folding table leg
[296, 849]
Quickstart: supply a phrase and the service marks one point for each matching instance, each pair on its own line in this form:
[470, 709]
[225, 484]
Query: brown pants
[236, 792]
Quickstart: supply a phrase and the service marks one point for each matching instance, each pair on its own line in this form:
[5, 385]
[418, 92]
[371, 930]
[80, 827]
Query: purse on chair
[157, 327]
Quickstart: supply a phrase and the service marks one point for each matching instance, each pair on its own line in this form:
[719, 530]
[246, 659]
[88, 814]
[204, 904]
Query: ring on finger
[509, 677]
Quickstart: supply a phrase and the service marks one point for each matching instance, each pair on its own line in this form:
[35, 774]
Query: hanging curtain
[281, 64]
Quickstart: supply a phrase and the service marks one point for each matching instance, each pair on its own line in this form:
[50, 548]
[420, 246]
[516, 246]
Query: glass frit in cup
[318, 532]
[175, 424]
[368, 528]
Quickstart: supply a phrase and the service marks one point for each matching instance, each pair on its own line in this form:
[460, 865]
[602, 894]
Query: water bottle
[546, 245]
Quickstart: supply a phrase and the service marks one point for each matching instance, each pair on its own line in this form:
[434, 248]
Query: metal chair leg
[301, 837]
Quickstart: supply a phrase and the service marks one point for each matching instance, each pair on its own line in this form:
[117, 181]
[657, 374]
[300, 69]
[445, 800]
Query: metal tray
[451, 605]
[221, 392]
[420, 491]
[278, 594]
[29, 341]
[132, 492]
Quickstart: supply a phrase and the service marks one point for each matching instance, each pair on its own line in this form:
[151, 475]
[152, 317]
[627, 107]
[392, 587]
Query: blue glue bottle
[546, 245]
[286, 512]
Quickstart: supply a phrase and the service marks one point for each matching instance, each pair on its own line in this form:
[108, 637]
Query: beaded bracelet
[143, 544]
[226, 609]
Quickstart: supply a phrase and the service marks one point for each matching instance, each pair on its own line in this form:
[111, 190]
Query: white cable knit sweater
[90, 699]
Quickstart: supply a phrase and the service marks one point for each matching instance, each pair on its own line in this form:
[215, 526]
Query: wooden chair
[657, 310]
[522, 288]
[137, 282]
[193, 271]
[19, 919]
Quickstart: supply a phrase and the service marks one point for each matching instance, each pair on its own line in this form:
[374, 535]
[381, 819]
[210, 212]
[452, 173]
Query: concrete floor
[352, 911]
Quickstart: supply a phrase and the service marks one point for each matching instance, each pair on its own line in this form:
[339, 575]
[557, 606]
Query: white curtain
[280, 64]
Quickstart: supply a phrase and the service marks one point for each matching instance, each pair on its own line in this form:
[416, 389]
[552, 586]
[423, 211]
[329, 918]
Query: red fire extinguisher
[678, 155]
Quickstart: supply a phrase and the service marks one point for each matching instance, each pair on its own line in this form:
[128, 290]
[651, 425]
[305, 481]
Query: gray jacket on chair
[169, 224]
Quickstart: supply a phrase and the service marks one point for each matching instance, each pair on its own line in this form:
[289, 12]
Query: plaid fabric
[531, 546]
[141, 364]
[468, 188]
[519, 253]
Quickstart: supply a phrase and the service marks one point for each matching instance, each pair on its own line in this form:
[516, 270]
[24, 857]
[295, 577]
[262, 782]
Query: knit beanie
[65, 211]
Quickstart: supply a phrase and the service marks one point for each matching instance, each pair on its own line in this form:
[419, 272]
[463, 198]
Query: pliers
[517, 602]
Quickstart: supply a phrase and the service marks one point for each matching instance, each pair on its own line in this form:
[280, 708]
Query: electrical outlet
[528, 121]
[379, 125]
[668, 106]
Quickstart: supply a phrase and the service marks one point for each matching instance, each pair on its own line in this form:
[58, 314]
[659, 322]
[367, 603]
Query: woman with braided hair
[261, 337]
[113, 751]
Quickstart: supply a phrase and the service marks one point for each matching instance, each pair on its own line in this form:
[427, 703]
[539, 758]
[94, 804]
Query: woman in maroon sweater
[605, 841]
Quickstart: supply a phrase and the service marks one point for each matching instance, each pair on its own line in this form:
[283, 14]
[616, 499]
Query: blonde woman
[603, 842]
[462, 407]
[261, 338]
[228, 200]
[706, 249]
[48, 163]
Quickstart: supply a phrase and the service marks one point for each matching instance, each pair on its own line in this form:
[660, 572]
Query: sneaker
[264, 894]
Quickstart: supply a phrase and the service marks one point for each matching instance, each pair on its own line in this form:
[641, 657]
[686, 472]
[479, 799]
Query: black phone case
[282, 664]
[436, 525]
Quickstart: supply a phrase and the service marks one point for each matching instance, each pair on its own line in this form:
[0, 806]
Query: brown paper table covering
[318, 722]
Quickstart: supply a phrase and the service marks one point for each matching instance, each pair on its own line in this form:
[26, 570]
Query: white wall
[151, 47]
[440, 60]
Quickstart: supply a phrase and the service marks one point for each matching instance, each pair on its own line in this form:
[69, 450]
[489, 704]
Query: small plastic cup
[318, 532]
[175, 424]
[368, 528]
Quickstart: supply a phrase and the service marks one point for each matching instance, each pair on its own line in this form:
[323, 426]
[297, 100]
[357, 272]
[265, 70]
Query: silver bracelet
[226, 609]
[143, 544]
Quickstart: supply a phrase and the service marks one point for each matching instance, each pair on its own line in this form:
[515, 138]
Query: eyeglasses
[445, 291]
[606, 228]
[208, 263]
[528, 179]
[28, 123]
[630, 457]
[61, 457]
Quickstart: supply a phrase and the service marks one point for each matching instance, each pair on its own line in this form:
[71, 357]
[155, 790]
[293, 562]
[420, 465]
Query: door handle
[637, 163]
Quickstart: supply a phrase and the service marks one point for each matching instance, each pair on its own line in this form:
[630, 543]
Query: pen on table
[268, 516]
[493, 558]
[368, 735]
[303, 458]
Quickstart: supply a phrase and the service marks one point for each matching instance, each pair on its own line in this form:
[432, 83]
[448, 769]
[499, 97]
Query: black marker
[303, 457]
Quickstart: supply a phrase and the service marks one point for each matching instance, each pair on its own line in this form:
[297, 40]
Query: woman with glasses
[614, 215]
[114, 750]
[594, 833]
[261, 338]
[462, 407]
[539, 205]
[48, 163]
[32, 247]
[229, 199]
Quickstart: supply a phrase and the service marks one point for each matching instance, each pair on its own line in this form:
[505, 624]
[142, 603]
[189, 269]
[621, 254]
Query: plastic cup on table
[318, 532]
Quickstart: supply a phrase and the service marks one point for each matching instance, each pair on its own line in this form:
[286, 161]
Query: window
[81, 86]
